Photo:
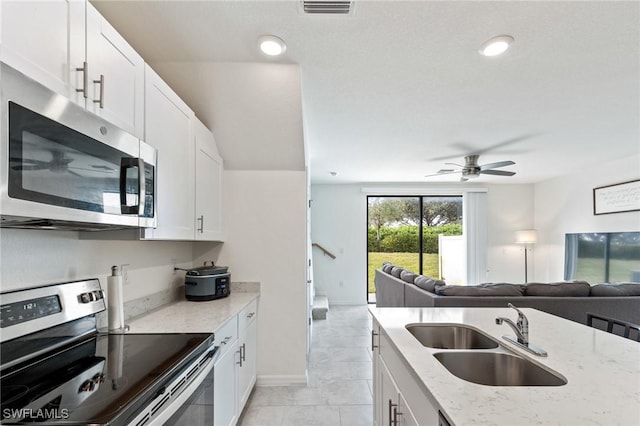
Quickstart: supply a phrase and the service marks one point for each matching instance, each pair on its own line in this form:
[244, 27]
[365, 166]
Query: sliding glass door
[419, 233]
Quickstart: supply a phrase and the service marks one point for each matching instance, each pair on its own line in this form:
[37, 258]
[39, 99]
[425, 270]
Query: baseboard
[281, 380]
[347, 302]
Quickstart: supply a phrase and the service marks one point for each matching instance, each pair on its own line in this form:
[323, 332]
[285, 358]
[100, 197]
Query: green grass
[406, 260]
[592, 270]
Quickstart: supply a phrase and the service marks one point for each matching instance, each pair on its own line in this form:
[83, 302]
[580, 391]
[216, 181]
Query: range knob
[87, 386]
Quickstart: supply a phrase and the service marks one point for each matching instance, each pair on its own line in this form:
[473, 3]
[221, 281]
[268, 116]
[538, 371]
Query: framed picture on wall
[617, 198]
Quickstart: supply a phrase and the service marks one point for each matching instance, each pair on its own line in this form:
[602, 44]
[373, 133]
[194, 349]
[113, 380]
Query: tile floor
[339, 389]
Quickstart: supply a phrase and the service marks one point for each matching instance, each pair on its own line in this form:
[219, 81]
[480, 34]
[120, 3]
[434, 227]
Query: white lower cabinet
[247, 341]
[398, 399]
[235, 370]
[225, 379]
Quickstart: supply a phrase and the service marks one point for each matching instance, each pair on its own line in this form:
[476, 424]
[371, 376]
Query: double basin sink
[475, 357]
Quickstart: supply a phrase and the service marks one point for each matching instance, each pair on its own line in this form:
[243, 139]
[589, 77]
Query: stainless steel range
[58, 369]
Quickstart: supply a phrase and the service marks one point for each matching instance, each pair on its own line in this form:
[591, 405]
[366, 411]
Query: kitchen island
[602, 373]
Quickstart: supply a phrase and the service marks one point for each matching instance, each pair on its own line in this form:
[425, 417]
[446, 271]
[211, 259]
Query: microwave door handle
[127, 163]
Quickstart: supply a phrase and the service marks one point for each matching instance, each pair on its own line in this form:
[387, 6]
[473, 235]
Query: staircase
[320, 307]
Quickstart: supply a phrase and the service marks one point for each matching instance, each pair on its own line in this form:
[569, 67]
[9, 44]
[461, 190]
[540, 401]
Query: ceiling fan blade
[496, 165]
[31, 167]
[497, 172]
[443, 172]
[503, 143]
[454, 164]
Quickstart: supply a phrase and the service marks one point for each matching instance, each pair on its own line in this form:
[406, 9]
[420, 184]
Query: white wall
[33, 257]
[265, 223]
[338, 222]
[565, 205]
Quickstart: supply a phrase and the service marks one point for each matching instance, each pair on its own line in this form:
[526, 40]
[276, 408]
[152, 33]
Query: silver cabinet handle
[396, 413]
[239, 352]
[250, 315]
[85, 79]
[101, 83]
[201, 220]
[243, 353]
[373, 345]
[392, 416]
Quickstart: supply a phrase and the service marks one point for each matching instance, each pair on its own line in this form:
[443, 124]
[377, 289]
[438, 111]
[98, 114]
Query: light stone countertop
[603, 370]
[191, 317]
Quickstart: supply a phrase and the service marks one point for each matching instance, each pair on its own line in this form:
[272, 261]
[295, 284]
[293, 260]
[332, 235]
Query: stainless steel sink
[497, 369]
[450, 336]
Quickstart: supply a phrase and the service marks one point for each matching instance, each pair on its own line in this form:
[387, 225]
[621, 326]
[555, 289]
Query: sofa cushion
[617, 289]
[407, 276]
[486, 289]
[386, 267]
[427, 283]
[396, 271]
[559, 289]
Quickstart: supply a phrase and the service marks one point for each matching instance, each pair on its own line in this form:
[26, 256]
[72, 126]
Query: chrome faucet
[521, 328]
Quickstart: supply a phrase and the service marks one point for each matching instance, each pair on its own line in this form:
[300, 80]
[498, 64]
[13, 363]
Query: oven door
[192, 405]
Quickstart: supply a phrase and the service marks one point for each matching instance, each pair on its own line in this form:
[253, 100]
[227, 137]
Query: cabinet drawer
[227, 334]
[248, 314]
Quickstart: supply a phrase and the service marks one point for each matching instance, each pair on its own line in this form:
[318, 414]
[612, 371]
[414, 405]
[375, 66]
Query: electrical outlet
[124, 271]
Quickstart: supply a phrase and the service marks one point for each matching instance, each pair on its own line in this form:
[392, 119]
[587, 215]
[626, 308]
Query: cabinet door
[116, 75]
[404, 415]
[168, 127]
[375, 355]
[388, 394]
[46, 41]
[224, 388]
[208, 184]
[247, 370]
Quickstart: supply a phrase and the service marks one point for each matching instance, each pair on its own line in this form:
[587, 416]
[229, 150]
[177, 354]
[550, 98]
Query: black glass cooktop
[101, 380]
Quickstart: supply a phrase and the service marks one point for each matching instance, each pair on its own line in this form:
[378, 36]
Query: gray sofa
[622, 301]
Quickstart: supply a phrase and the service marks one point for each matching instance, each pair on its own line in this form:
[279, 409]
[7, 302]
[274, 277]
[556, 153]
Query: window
[603, 257]
[419, 233]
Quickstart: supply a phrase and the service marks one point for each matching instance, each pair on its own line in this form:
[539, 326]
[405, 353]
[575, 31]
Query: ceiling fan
[472, 169]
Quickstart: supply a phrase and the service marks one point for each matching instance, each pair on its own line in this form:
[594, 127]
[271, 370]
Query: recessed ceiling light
[272, 45]
[496, 45]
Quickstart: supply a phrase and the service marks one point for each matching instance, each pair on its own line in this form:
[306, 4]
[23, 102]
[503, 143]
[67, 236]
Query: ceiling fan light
[496, 45]
[272, 45]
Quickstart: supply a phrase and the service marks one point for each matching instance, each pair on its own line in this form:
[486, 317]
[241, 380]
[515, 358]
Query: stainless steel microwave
[65, 168]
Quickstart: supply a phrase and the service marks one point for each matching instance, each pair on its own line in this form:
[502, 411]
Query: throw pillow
[560, 289]
[396, 271]
[386, 267]
[407, 276]
[486, 289]
[428, 283]
[616, 290]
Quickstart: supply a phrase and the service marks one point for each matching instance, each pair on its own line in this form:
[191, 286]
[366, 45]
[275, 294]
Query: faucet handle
[520, 313]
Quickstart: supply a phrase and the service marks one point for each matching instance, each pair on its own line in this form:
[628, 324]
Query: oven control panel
[18, 312]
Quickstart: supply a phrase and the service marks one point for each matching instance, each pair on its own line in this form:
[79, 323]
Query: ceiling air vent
[321, 7]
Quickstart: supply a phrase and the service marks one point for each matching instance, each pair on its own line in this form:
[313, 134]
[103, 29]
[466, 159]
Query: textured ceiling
[393, 91]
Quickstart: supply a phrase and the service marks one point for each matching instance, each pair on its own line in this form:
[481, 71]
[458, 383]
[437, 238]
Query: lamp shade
[527, 236]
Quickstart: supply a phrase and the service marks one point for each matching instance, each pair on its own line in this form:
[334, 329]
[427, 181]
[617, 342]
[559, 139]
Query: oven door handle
[179, 401]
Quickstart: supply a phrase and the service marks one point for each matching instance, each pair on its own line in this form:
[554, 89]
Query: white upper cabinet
[208, 185]
[168, 127]
[69, 47]
[46, 41]
[116, 76]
